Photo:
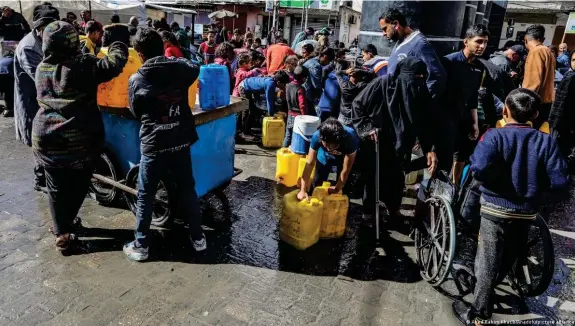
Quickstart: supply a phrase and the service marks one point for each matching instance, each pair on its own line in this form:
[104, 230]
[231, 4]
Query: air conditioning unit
[352, 19]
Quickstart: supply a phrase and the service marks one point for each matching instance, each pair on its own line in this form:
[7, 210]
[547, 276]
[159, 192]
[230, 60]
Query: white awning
[153, 4]
[102, 10]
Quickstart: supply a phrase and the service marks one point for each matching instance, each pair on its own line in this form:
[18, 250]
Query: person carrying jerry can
[333, 145]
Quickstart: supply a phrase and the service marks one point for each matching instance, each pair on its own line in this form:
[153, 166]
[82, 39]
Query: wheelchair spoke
[428, 263]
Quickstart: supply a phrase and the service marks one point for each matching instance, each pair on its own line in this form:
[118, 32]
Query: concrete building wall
[348, 29]
[523, 21]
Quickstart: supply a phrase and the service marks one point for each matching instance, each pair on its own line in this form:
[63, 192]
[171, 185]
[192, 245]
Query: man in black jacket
[13, 26]
[158, 95]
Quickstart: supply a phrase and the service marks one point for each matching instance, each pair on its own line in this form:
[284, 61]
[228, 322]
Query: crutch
[377, 202]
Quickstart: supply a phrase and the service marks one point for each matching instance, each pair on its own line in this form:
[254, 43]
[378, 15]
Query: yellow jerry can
[545, 128]
[192, 94]
[301, 221]
[501, 123]
[273, 131]
[411, 177]
[334, 216]
[287, 167]
[115, 92]
[300, 168]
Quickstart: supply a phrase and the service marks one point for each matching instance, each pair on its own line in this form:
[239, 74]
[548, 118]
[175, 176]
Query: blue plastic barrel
[214, 86]
[304, 128]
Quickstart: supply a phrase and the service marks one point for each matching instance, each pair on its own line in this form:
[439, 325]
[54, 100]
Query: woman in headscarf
[393, 111]
[562, 115]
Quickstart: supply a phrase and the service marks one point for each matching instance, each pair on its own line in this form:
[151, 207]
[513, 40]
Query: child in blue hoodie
[515, 164]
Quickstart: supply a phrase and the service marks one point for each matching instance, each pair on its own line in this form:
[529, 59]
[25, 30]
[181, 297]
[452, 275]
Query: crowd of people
[444, 107]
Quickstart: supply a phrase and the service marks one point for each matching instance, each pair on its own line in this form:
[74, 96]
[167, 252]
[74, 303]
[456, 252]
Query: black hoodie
[158, 95]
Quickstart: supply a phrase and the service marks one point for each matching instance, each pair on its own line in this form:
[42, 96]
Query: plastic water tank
[214, 86]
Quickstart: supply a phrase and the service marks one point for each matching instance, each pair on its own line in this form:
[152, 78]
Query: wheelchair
[445, 215]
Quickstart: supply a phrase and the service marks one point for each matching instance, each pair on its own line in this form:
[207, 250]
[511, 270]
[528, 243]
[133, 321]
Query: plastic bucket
[303, 129]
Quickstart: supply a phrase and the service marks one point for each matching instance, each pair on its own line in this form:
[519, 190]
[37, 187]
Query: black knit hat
[44, 15]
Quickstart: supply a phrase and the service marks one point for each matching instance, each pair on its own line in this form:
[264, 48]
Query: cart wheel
[104, 193]
[532, 274]
[435, 241]
[161, 214]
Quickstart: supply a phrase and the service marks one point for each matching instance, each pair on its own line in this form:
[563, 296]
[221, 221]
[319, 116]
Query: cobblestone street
[246, 277]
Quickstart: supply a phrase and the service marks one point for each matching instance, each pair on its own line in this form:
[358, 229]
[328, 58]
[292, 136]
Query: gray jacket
[500, 60]
[27, 56]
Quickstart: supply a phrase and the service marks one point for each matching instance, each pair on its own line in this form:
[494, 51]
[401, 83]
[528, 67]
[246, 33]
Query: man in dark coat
[393, 112]
[27, 56]
[562, 115]
[13, 26]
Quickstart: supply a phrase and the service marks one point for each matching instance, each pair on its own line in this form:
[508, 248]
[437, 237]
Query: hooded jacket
[397, 105]
[27, 56]
[158, 95]
[67, 131]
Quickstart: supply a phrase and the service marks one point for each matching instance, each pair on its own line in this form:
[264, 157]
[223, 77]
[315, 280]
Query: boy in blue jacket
[258, 86]
[516, 164]
[158, 95]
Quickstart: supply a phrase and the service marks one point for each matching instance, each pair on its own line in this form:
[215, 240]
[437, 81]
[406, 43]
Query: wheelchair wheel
[162, 213]
[435, 241]
[104, 193]
[532, 273]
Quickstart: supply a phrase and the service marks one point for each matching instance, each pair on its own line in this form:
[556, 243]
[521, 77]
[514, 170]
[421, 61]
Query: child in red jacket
[243, 72]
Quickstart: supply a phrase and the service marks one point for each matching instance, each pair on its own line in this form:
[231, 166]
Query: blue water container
[214, 86]
[304, 127]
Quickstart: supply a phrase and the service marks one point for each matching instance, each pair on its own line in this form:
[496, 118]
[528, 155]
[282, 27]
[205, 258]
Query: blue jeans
[322, 171]
[152, 171]
[289, 131]
[323, 115]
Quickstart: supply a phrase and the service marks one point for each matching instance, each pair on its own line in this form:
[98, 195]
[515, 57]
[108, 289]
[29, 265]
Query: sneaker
[134, 252]
[8, 113]
[200, 245]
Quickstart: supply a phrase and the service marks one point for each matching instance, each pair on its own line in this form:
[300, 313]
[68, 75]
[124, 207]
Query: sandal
[63, 241]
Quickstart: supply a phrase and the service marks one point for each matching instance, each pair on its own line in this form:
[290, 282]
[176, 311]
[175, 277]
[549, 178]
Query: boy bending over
[332, 145]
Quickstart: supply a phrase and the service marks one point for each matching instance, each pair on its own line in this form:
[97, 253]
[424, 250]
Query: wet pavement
[246, 277]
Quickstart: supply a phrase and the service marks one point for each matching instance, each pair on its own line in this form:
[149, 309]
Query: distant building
[551, 14]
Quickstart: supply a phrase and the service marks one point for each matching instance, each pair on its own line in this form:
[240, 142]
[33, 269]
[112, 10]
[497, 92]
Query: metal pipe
[116, 184]
[234, 20]
[302, 16]
[306, 13]
[274, 19]
[193, 29]
[90, 8]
